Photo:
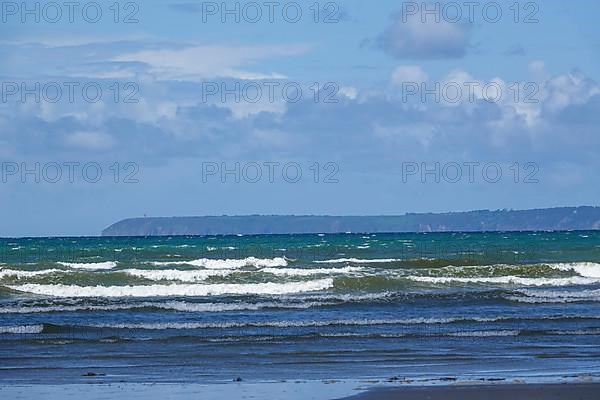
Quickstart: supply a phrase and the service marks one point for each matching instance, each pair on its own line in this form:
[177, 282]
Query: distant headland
[548, 219]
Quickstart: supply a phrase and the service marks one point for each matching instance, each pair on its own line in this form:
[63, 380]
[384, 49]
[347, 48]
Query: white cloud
[56, 41]
[409, 37]
[211, 61]
[348, 91]
[537, 69]
[569, 89]
[409, 73]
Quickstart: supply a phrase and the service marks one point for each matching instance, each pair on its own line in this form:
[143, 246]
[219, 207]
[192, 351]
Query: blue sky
[361, 144]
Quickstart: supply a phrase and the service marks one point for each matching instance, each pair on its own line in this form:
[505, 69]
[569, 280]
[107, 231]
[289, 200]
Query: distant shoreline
[548, 220]
[298, 234]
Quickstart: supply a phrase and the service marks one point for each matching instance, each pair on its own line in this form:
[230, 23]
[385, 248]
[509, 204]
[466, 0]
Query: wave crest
[210, 263]
[175, 290]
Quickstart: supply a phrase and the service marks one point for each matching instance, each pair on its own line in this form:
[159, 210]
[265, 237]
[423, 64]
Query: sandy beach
[315, 390]
[570, 391]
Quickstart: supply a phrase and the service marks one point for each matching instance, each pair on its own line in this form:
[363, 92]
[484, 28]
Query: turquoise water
[262, 308]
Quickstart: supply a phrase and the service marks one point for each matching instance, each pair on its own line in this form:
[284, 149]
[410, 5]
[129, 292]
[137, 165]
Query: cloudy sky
[162, 108]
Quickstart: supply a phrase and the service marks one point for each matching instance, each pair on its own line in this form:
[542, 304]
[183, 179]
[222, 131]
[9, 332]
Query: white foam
[513, 280]
[296, 324]
[220, 307]
[181, 306]
[587, 269]
[555, 296]
[326, 323]
[351, 298]
[358, 261]
[561, 293]
[201, 275]
[53, 309]
[91, 266]
[273, 324]
[343, 335]
[309, 272]
[26, 274]
[29, 329]
[228, 264]
[175, 290]
[177, 275]
[484, 333]
[577, 332]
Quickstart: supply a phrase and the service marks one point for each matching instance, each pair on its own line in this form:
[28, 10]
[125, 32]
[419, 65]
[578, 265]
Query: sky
[111, 110]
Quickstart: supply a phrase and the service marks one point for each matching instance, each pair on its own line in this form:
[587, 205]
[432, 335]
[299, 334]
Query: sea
[416, 308]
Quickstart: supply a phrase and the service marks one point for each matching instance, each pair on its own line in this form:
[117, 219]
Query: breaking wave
[22, 329]
[90, 266]
[508, 280]
[227, 264]
[174, 290]
[359, 261]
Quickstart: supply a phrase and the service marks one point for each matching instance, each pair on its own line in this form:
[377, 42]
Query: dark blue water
[209, 309]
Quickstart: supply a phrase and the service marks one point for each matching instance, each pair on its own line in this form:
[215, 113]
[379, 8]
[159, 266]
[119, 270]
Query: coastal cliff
[550, 219]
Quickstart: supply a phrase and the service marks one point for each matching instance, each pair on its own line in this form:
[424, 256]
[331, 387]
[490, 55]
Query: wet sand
[568, 391]
[308, 390]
